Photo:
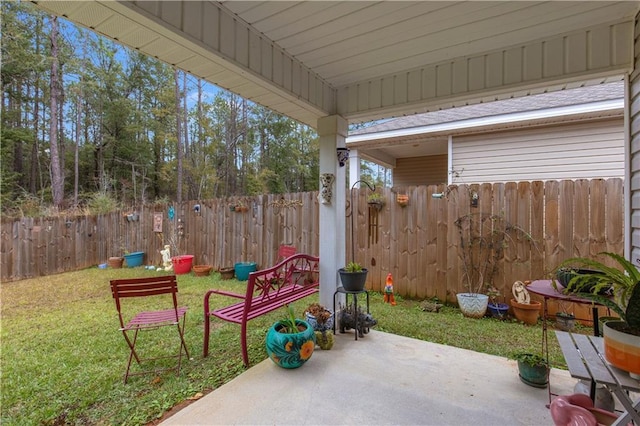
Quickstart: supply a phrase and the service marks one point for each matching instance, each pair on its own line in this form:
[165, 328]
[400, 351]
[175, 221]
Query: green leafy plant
[529, 358]
[289, 325]
[353, 267]
[376, 198]
[624, 281]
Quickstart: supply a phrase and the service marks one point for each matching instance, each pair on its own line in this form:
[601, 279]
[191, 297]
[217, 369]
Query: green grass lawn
[63, 358]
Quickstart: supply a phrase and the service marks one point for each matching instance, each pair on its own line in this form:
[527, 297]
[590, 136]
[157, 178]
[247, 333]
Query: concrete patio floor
[381, 379]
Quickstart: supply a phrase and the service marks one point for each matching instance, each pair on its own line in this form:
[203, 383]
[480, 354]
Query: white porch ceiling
[367, 60]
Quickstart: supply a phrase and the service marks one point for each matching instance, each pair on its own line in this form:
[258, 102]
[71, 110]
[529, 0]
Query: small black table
[341, 290]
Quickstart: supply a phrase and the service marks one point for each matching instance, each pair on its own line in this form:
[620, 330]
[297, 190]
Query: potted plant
[353, 276]
[227, 273]
[202, 270]
[483, 238]
[376, 201]
[291, 341]
[115, 262]
[565, 321]
[621, 337]
[134, 259]
[524, 309]
[321, 319]
[533, 369]
[497, 309]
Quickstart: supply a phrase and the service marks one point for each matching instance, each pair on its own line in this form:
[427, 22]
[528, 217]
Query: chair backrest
[285, 251]
[144, 287]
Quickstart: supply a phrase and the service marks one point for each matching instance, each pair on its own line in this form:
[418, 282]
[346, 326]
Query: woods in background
[89, 123]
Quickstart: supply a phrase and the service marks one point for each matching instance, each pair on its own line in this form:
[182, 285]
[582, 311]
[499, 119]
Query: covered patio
[381, 379]
[331, 64]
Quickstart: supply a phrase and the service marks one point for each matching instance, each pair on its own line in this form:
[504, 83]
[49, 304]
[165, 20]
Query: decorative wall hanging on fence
[157, 222]
[284, 203]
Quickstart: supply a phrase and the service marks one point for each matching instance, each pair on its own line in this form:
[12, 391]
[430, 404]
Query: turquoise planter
[290, 350]
[534, 375]
[134, 259]
[243, 269]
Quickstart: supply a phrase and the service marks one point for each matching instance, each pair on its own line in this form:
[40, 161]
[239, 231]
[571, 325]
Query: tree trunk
[179, 139]
[57, 183]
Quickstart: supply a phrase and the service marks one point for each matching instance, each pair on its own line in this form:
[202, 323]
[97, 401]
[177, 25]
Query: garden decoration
[348, 321]
[326, 191]
[579, 409]
[388, 291]
[524, 308]
[167, 265]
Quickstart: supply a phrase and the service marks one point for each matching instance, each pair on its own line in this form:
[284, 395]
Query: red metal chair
[171, 315]
[285, 251]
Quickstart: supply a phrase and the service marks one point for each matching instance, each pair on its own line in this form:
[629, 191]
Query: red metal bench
[267, 290]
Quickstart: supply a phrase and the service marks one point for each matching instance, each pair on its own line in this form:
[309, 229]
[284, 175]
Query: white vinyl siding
[634, 142]
[576, 151]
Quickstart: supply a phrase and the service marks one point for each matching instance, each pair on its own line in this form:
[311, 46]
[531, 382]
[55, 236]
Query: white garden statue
[520, 293]
[166, 258]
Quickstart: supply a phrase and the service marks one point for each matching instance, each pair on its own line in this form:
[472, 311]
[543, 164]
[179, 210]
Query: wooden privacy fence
[545, 222]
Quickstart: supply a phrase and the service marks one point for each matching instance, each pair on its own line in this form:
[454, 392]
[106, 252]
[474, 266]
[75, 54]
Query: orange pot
[527, 313]
[622, 350]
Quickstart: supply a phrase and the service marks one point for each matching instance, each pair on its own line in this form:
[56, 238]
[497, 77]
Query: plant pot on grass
[473, 305]
[182, 264]
[115, 262]
[290, 342]
[524, 309]
[134, 259]
[527, 313]
[532, 369]
[202, 270]
[565, 321]
[498, 310]
[227, 273]
[353, 277]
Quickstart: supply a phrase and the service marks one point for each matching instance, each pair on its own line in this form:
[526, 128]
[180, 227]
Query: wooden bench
[267, 290]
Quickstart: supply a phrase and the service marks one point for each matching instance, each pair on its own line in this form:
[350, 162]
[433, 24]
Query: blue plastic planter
[242, 270]
[134, 259]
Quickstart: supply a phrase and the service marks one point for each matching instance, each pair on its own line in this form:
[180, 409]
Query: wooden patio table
[585, 359]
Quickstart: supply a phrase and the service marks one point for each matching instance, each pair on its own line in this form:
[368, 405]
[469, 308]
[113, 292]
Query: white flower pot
[473, 305]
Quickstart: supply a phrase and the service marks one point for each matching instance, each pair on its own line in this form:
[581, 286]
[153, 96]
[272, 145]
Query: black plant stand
[341, 290]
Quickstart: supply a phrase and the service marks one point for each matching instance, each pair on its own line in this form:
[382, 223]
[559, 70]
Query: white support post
[332, 131]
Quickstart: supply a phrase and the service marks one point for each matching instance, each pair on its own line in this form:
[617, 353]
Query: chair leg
[183, 344]
[132, 352]
[205, 350]
[243, 342]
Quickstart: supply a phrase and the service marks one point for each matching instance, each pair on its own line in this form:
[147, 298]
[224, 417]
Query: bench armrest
[220, 292]
[225, 293]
